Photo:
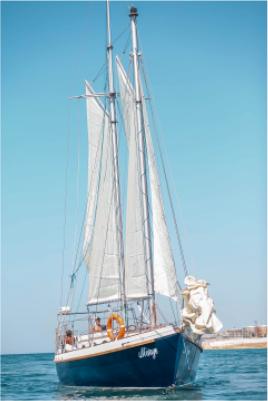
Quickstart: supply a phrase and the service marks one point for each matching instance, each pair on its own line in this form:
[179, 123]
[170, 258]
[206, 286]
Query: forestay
[101, 244]
[165, 280]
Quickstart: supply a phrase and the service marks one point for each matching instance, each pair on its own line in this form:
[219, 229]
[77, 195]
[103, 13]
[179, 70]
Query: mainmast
[141, 144]
[112, 109]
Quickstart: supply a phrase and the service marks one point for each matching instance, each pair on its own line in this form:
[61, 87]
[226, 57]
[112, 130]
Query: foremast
[114, 135]
[143, 170]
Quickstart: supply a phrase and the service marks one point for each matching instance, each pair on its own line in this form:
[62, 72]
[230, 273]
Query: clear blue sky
[207, 67]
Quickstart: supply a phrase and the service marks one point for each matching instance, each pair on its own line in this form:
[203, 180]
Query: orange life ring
[121, 324]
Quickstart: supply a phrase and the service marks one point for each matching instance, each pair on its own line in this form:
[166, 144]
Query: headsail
[101, 244]
[165, 280]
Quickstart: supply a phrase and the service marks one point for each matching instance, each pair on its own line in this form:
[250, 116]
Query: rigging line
[127, 43]
[82, 229]
[146, 257]
[75, 270]
[88, 193]
[121, 34]
[102, 68]
[65, 205]
[165, 176]
[150, 214]
[122, 170]
[143, 217]
[167, 340]
[137, 149]
[105, 244]
[100, 146]
[77, 189]
[173, 312]
[100, 71]
[165, 320]
[166, 179]
[72, 297]
[177, 304]
[162, 315]
[148, 139]
[123, 125]
[115, 150]
[109, 147]
[123, 101]
[82, 291]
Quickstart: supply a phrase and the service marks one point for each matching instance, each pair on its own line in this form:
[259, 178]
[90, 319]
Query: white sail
[101, 246]
[135, 260]
[165, 280]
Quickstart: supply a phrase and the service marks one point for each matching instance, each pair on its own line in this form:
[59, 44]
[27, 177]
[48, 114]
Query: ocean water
[222, 375]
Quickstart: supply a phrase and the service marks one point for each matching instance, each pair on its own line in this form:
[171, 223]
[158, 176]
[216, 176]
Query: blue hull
[171, 360]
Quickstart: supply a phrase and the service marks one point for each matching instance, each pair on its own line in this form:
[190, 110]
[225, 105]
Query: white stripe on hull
[116, 345]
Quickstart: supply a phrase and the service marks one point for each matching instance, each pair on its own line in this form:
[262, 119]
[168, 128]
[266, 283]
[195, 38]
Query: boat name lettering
[148, 352]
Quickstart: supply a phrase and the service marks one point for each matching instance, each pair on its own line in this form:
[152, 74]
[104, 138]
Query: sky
[206, 64]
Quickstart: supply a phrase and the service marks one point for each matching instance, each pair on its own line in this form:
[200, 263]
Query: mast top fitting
[133, 12]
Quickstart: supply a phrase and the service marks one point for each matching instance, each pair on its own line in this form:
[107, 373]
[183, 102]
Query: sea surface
[222, 375]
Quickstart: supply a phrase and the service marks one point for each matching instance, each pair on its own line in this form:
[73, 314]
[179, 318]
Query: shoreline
[235, 343]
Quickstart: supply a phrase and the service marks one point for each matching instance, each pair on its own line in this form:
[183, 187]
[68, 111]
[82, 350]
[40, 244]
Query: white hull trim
[116, 345]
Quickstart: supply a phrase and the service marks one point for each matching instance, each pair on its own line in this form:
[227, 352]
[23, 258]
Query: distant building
[261, 331]
[246, 332]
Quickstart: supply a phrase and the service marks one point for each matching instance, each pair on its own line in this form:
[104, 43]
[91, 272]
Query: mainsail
[135, 254]
[101, 243]
[165, 280]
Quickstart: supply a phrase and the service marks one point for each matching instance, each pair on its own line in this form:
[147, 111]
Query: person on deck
[69, 340]
[98, 326]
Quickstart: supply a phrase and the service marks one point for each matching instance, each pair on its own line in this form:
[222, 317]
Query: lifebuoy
[121, 324]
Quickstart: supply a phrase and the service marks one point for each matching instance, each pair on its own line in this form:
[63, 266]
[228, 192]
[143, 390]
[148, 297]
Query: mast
[112, 109]
[141, 144]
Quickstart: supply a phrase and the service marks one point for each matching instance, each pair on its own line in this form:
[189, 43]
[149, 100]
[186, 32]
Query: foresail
[95, 122]
[165, 280]
[101, 246]
[135, 260]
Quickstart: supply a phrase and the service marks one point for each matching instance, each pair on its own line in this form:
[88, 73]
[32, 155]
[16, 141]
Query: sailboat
[130, 265]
